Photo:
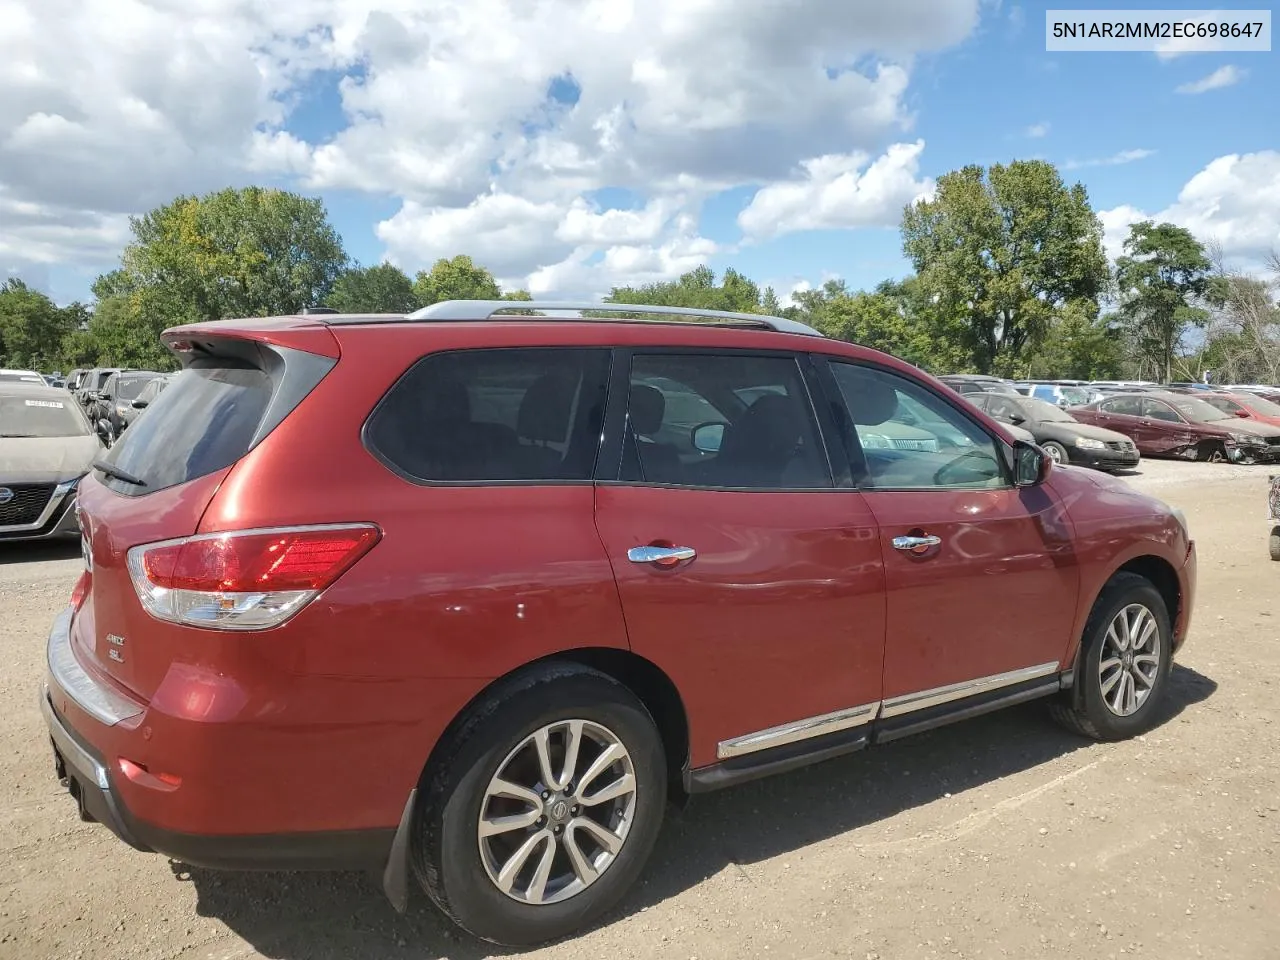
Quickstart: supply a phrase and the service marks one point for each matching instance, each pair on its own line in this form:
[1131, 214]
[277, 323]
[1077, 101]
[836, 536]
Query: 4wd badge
[114, 651]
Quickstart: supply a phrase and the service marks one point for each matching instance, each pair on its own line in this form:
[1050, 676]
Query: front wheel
[544, 808]
[1124, 664]
[1056, 451]
[1274, 543]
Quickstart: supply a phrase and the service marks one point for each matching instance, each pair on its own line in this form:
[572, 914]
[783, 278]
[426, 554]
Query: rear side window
[527, 413]
[204, 421]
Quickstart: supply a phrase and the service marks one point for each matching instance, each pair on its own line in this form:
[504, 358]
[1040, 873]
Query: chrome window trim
[935, 696]
[798, 730]
[100, 702]
[55, 500]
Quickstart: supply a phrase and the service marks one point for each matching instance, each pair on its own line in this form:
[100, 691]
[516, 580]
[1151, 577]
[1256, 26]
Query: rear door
[1161, 429]
[748, 572]
[158, 479]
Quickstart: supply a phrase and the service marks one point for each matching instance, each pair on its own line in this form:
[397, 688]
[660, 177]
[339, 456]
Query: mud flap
[395, 876]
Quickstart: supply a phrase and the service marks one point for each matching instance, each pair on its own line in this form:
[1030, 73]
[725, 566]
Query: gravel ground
[1001, 836]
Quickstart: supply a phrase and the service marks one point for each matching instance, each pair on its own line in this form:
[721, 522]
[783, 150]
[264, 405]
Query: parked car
[90, 387]
[46, 446]
[938, 432]
[153, 388]
[1062, 395]
[115, 400]
[21, 376]
[966, 383]
[1246, 406]
[1179, 425]
[466, 598]
[1061, 436]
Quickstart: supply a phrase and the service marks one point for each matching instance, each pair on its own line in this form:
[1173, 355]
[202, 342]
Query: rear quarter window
[204, 421]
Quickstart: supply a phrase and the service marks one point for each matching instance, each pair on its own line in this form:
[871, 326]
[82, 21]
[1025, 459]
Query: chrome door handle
[916, 544]
[666, 556]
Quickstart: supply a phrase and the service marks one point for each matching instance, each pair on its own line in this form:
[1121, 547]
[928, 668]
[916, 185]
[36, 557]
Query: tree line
[1009, 277]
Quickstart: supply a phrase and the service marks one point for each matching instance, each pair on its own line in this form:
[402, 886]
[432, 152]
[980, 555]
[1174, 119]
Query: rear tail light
[244, 580]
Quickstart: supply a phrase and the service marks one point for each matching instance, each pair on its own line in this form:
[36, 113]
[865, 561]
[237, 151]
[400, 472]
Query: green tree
[125, 330]
[32, 327]
[1078, 347]
[1009, 250]
[1163, 270]
[381, 289]
[457, 279]
[697, 288]
[234, 253]
[898, 318]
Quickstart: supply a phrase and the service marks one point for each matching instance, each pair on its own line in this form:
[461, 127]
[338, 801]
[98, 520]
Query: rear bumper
[93, 778]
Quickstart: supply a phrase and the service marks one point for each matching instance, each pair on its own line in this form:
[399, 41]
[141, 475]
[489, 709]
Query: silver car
[46, 446]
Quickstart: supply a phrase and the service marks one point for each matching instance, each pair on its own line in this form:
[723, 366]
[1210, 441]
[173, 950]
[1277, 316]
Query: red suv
[470, 596]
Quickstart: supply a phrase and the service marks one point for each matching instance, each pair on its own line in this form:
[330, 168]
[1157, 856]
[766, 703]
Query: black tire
[445, 850]
[1274, 543]
[1056, 451]
[1082, 709]
[1212, 452]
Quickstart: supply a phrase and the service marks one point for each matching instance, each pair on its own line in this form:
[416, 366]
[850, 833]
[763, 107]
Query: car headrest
[445, 399]
[545, 409]
[871, 399]
[648, 407]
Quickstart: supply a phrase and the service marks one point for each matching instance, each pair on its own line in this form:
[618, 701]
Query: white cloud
[1115, 160]
[1234, 201]
[836, 192]
[1037, 130]
[114, 106]
[1222, 77]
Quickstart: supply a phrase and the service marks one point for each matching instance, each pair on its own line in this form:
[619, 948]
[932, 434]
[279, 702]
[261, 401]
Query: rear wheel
[1212, 452]
[1274, 543]
[1124, 664]
[544, 808]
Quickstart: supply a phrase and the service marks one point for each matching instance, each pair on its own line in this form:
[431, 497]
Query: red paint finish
[996, 595]
[779, 618]
[796, 604]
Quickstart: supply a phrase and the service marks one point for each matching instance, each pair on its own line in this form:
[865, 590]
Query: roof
[28, 388]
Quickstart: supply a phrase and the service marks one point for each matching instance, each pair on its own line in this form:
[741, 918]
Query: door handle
[916, 544]
[662, 556]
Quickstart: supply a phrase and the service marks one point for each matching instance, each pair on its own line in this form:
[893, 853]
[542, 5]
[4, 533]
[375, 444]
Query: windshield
[130, 389]
[1044, 411]
[40, 417]
[1075, 395]
[1197, 411]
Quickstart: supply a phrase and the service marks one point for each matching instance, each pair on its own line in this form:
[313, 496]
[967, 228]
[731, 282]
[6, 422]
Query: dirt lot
[998, 837]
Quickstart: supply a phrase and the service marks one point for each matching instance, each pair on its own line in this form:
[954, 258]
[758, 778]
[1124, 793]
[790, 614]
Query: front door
[746, 573]
[981, 576]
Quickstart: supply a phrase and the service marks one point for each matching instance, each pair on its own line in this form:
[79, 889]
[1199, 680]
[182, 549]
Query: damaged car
[1170, 424]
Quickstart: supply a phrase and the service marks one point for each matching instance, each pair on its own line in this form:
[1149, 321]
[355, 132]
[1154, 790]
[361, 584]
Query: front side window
[906, 452]
[523, 413]
[738, 421]
[1124, 406]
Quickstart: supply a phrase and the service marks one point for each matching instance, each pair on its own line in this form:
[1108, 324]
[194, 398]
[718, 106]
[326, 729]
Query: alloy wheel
[557, 812]
[1130, 660]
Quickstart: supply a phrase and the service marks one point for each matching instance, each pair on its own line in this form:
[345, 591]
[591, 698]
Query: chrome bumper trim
[73, 754]
[55, 501]
[100, 702]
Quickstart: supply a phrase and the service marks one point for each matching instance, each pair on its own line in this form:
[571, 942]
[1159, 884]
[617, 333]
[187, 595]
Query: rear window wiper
[113, 471]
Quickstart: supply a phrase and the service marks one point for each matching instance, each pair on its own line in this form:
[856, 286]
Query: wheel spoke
[1147, 631]
[515, 863]
[1130, 694]
[573, 741]
[619, 788]
[1113, 638]
[1108, 665]
[608, 757]
[582, 867]
[542, 744]
[606, 837]
[492, 826]
[1126, 636]
[513, 791]
[538, 885]
[1118, 694]
[1109, 684]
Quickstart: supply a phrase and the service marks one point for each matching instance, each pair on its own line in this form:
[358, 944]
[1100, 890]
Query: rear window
[205, 420]
[129, 388]
[40, 417]
[530, 414]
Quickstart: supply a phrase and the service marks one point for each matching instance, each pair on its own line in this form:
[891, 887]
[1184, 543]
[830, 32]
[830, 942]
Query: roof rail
[485, 309]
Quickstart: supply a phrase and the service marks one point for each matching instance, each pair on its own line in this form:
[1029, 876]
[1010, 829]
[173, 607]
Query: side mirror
[104, 430]
[707, 437]
[1031, 465]
[1244, 414]
[139, 404]
[1017, 419]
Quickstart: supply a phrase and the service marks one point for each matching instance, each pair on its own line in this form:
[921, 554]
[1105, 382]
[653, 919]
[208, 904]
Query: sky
[571, 146]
